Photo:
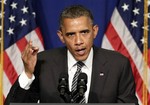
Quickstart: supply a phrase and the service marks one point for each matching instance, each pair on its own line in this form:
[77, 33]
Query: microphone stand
[66, 97]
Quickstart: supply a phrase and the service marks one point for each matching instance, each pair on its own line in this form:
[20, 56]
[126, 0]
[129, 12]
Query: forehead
[76, 22]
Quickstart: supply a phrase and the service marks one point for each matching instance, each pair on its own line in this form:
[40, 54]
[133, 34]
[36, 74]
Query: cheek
[69, 43]
[70, 47]
[89, 39]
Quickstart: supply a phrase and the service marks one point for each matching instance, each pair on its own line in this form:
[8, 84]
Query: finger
[32, 51]
[27, 49]
[35, 50]
[24, 52]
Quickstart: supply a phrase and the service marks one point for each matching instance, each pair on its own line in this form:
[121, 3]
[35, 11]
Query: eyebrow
[68, 33]
[86, 30]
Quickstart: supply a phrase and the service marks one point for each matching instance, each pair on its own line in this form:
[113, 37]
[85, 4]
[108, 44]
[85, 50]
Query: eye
[85, 31]
[70, 34]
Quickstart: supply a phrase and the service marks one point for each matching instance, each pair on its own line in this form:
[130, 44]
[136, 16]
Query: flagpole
[145, 50]
[1, 52]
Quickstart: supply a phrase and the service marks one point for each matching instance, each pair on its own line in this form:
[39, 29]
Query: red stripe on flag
[9, 69]
[117, 44]
[22, 43]
[38, 32]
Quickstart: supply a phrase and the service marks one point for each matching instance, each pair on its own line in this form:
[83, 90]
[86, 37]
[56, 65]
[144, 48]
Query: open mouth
[81, 51]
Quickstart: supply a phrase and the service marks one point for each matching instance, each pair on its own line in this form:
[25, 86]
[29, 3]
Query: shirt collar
[87, 62]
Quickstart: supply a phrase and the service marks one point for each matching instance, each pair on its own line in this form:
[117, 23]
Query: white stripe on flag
[6, 85]
[14, 55]
[106, 44]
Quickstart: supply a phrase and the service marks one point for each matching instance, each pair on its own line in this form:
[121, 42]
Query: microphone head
[63, 83]
[81, 85]
[82, 77]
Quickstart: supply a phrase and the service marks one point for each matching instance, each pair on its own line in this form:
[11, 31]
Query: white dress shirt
[72, 68]
[25, 82]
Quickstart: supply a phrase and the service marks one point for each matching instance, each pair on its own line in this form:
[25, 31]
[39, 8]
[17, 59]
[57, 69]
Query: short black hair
[75, 11]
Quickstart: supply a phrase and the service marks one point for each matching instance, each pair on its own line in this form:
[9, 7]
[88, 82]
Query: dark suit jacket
[116, 85]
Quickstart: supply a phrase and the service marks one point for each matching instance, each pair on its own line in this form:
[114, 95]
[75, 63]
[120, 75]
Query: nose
[78, 39]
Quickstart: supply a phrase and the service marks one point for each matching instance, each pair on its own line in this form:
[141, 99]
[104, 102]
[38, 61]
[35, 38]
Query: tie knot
[80, 64]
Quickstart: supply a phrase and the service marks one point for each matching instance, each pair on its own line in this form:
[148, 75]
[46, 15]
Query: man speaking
[76, 73]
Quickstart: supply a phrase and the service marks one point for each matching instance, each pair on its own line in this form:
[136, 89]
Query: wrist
[25, 81]
[29, 74]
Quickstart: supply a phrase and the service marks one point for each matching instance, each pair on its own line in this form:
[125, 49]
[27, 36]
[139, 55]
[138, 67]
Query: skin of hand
[29, 57]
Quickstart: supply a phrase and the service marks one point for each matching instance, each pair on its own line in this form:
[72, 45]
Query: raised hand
[29, 57]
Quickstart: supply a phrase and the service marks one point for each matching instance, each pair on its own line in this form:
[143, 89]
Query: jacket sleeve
[19, 95]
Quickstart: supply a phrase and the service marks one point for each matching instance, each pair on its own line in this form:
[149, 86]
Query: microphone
[81, 84]
[63, 83]
[63, 87]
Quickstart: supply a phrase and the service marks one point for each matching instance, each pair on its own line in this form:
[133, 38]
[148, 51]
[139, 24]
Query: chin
[81, 58]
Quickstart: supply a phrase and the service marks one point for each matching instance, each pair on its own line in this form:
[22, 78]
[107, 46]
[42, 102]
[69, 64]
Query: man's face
[78, 34]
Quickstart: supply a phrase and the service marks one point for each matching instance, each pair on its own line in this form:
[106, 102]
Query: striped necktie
[74, 85]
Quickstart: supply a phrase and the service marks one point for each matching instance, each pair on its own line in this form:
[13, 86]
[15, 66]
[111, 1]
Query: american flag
[125, 35]
[19, 28]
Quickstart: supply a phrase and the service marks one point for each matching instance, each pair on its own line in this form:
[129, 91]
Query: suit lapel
[99, 74]
[62, 58]
[61, 62]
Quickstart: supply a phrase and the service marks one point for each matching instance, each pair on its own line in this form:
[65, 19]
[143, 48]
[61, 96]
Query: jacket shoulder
[52, 53]
[111, 55]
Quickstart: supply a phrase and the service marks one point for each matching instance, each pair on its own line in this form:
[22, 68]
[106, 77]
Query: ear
[95, 30]
[60, 35]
